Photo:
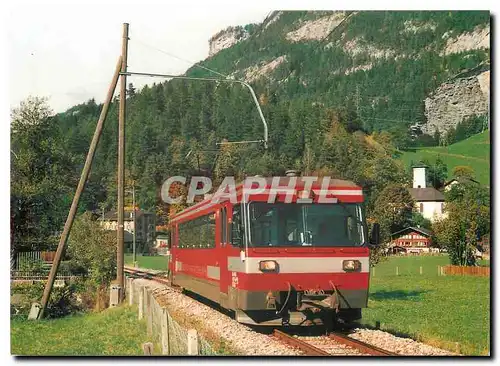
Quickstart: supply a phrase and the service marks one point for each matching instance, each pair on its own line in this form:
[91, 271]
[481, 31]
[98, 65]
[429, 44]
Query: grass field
[474, 152]
[113, 332]
[151, 262]
[438, 310]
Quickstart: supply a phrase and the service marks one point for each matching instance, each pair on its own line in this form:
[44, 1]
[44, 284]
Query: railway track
[334, 344]
[156, 276]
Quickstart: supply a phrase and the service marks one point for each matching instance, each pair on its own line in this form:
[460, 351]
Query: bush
[63, 300]
[32, 265]
[92, 251]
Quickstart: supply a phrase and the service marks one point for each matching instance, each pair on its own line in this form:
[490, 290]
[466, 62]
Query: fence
[40, 276]
[162, 327]
[22, 258]
[467, 271]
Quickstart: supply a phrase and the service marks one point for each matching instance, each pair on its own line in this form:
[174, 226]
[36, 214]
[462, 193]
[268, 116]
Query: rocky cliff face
[316, 29]
[463, 96]
[479, 38]
[225, 39]
[457, 100]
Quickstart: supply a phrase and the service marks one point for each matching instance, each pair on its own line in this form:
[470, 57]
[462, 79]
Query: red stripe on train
[302, 281]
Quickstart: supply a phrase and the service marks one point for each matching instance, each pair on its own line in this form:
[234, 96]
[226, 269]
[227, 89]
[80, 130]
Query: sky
[68, 52]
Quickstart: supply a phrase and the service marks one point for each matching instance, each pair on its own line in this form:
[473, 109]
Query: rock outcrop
[457, 100]
[255, 72]
[316, 29]
[477, 39]
[226, 38]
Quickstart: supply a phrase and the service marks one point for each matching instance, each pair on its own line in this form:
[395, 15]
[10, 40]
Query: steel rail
[361, 346]
[308, 349]
[147, 275]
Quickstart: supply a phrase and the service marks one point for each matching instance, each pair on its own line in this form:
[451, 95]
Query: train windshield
[315, 225]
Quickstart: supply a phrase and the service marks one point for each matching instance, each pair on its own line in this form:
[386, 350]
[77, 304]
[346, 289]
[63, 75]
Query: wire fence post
[164, 333]
[192, 339]
[147, 348]
[149, 312]
[130, 291]
[421, 270]
[141, 305]
[397, 271]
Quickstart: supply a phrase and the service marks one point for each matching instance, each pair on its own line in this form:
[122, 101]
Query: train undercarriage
[299, 308]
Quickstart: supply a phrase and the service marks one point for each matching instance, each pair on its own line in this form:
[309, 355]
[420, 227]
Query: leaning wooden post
[79, 190]
[192, 340]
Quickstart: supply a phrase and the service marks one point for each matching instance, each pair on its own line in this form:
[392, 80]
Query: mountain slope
[383, 64]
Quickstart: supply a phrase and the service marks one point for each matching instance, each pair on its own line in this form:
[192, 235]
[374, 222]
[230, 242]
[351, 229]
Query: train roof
[335, 187]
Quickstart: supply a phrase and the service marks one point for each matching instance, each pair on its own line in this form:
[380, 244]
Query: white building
[429, 201]
[459, 180]
[145, 222]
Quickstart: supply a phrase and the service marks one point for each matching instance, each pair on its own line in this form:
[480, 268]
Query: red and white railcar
[277, 263]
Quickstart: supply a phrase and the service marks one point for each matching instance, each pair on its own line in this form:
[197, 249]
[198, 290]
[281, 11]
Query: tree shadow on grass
[397, 295]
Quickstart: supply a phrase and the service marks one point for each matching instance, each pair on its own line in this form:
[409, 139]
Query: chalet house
[411, 240]
[428, 200]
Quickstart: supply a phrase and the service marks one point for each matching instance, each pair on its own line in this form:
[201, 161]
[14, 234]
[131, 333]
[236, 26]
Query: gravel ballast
[399, 345]
[212, 323]
[242, 340]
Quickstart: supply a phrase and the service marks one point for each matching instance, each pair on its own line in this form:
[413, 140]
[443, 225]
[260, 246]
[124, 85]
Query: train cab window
[320, 225]
[236, 228]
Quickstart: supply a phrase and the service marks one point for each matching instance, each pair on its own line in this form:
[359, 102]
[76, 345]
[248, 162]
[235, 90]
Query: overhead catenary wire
[183, 77]
[192, 63]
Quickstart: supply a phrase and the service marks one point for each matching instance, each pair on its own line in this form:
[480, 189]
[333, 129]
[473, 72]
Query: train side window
[210, 231]
[236, 228]
[223, 217]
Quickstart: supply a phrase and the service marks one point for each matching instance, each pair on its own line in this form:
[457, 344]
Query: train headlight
[351, 265]
[268, 266]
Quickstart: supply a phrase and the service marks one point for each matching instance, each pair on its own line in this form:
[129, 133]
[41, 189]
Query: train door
[230, 248]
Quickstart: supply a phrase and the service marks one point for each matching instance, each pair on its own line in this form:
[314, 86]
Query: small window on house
[421, 207]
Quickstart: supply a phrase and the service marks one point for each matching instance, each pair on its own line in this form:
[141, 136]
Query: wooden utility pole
[79, 189]
[121, 163]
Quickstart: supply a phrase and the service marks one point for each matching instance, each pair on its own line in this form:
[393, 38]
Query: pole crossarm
[168, 76]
